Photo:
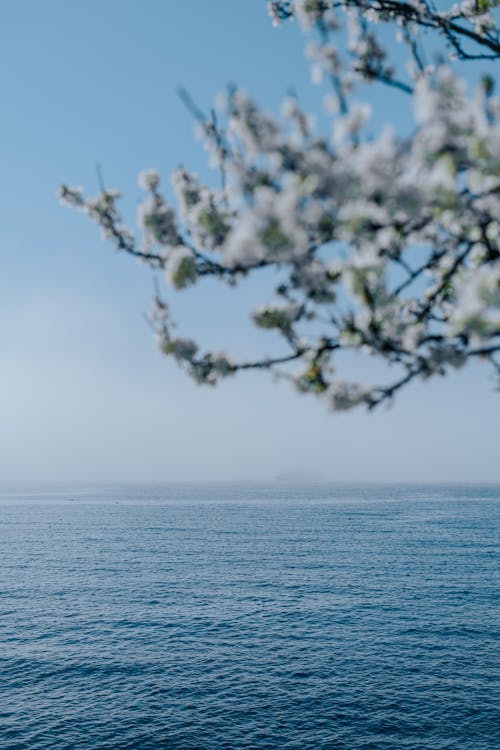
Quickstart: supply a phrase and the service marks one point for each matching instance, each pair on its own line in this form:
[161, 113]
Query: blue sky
[83, 392]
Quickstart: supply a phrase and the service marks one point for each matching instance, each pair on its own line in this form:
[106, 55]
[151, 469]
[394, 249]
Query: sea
[249, 615]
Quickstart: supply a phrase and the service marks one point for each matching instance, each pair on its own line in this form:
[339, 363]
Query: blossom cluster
[382, 244]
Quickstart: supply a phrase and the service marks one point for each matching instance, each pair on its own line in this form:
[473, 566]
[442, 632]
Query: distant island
[300, 476]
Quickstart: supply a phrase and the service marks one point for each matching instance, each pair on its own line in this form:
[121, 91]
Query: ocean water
[249, 616]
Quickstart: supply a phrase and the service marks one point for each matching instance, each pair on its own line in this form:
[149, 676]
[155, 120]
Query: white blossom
[181, 267]
[149, 179]
[375, 242]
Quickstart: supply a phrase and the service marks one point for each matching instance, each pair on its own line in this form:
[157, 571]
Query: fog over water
[86, 403]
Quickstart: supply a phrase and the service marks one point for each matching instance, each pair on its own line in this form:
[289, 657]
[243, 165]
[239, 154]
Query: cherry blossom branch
[333, 222]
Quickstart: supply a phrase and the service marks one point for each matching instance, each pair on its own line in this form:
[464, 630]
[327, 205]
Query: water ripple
[228, 617]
